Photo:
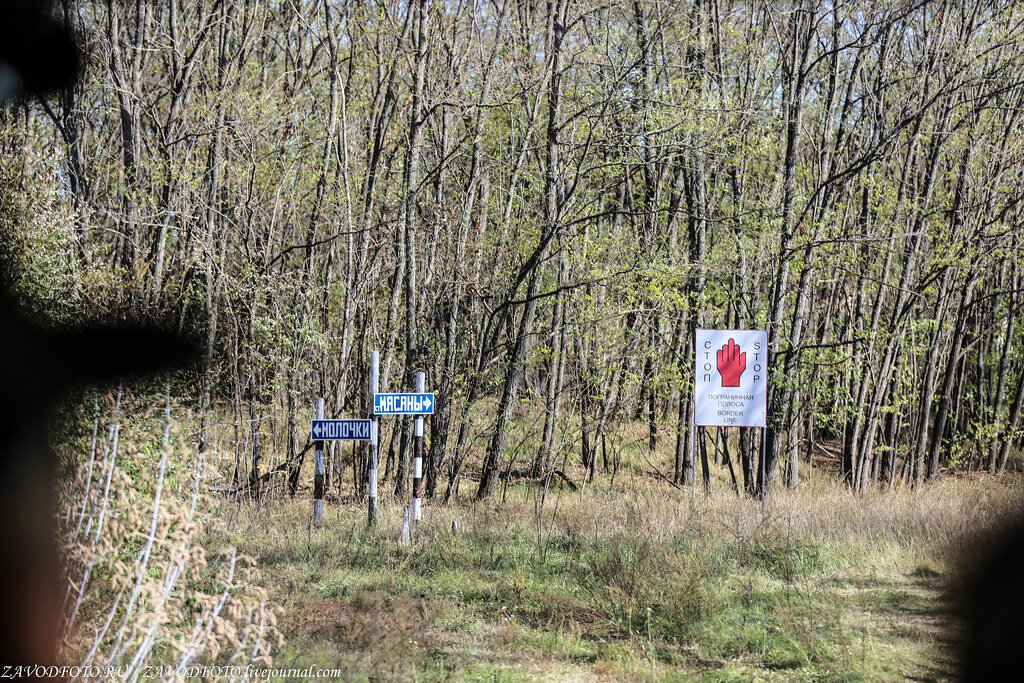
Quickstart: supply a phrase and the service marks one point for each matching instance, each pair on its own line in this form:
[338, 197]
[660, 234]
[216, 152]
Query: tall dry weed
[150, 580]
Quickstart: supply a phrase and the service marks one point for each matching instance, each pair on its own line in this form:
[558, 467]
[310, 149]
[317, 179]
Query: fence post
[417, 467]
[371, 471]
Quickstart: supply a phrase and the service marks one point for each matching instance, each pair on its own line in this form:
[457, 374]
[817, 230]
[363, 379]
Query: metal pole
[693, 466]
[371, 473]
[764, 441]
[318, 473]
[417, 463]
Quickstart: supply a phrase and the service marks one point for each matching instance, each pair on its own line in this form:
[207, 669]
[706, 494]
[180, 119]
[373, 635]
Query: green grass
[618, 584]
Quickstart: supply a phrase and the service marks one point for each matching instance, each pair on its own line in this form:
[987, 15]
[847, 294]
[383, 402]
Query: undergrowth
[628, 582]
[630, 579]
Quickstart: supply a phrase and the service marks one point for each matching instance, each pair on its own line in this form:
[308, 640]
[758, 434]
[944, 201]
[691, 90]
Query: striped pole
[371, 472]
[318, 475]
[417, 463]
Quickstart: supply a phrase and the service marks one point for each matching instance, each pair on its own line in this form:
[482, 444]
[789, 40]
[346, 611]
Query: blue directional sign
[403, 404]
[341, 430]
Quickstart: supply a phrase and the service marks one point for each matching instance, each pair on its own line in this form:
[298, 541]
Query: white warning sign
[731, 384]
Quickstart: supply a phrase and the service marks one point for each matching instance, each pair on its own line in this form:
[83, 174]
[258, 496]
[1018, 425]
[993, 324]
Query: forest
[537, 205]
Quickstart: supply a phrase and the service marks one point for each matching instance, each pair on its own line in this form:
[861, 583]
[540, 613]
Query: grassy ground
[625, 581]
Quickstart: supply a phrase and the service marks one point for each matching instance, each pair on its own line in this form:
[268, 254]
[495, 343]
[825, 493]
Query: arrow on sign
[403, 404]
[340, 430]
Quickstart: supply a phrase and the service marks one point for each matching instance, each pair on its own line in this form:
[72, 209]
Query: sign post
[318, 474]
[419, 403]
[371, 471]
[322, 430]
[417, 462]
[340, 430]
[731, 383]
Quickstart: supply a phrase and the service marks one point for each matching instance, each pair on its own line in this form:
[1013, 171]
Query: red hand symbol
[731, 364]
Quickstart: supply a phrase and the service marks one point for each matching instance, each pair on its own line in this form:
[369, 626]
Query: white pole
[372, 470]
[405, 526]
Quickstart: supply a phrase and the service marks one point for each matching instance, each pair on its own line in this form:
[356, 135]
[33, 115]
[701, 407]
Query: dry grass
[626, 581]
[152, 580]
